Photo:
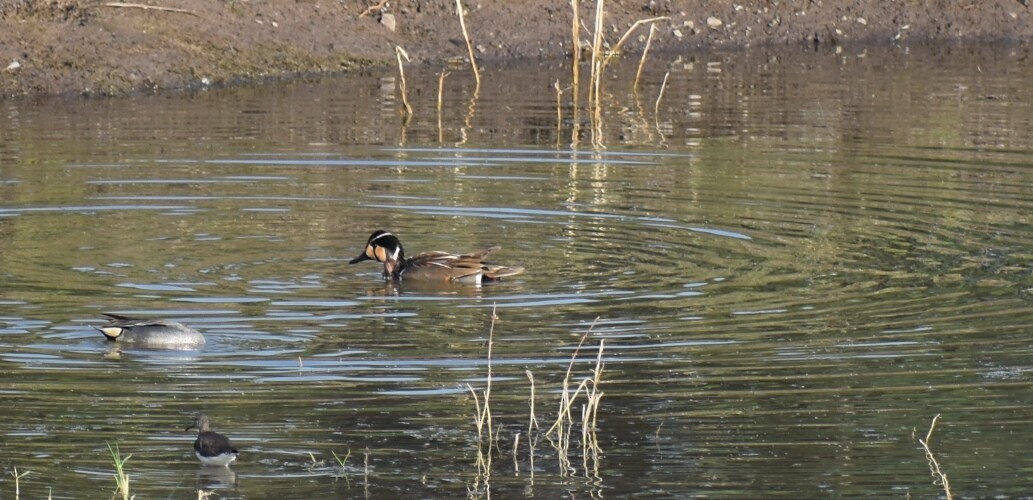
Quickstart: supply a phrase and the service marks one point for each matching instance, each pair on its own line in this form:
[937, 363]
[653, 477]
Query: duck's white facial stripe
[379, 236]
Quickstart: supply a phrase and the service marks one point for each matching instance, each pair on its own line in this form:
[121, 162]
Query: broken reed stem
[477, 420]
[400, 53]
[532, 422]
[575, 59]
[559, 108]
[469, 45]
[374, 8]
[575, 71]
[594, 101]
[17, 479]
[487, 389]
[642, 62]
[656, 107]
[124, 5]
[483, 413]
[441, 93]
[617, 46]
[516, 445]
[934, 466]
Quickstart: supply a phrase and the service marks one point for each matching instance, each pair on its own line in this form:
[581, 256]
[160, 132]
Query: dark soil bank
[99, 47]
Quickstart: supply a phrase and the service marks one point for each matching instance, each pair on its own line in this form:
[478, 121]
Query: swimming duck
[149, 331]
[385, 247]
[211, 447]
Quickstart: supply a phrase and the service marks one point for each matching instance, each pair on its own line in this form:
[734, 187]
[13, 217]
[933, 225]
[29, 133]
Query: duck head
[385, 248]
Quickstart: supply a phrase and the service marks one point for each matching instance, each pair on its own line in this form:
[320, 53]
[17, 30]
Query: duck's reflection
[215, 478]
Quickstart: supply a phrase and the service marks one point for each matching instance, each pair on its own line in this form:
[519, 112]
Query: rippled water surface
[792, 263]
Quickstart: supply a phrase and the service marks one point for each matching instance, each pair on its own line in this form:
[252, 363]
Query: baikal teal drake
[470, 268]
[149, 332]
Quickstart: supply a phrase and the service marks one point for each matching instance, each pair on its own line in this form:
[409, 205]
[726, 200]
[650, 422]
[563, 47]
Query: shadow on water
[794, 264]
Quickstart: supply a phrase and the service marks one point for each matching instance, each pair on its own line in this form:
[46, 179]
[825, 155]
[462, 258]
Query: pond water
[789, 266]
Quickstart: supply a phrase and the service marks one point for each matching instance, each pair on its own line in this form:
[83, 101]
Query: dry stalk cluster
[602, 53]
[575, 421]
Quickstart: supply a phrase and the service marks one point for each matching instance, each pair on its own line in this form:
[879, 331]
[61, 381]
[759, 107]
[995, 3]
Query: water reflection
[789, 280]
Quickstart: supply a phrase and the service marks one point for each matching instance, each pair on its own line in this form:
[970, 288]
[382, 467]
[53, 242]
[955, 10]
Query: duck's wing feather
[130, 322]
[451, 267]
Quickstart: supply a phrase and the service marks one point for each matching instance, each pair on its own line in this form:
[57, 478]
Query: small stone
[689, 24]
[389, 22]
[862, 21]
[14, 65]
[677, 33]
[714, 22]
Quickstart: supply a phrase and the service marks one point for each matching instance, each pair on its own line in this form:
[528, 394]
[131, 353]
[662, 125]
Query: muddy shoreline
[102, 48]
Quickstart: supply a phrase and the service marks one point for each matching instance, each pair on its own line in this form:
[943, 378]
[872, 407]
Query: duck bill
[360, 258]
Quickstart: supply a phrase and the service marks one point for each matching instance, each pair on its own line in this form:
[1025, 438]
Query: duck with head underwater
[150, 332]
[471, 268]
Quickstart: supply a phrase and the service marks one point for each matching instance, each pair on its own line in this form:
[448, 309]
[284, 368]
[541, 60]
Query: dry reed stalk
[595, 80]
[483, 413]
[400, 53]
[660, 95]
[530, 456]
[469, 45]
[617, 46]
[575, 59]
[642, 62]
[559, 108]
[532, 422]
[124, 5]
[17, 480]
[934, 466]
[374, 8]
[516, 445]
[566, 399]
[441, 92]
